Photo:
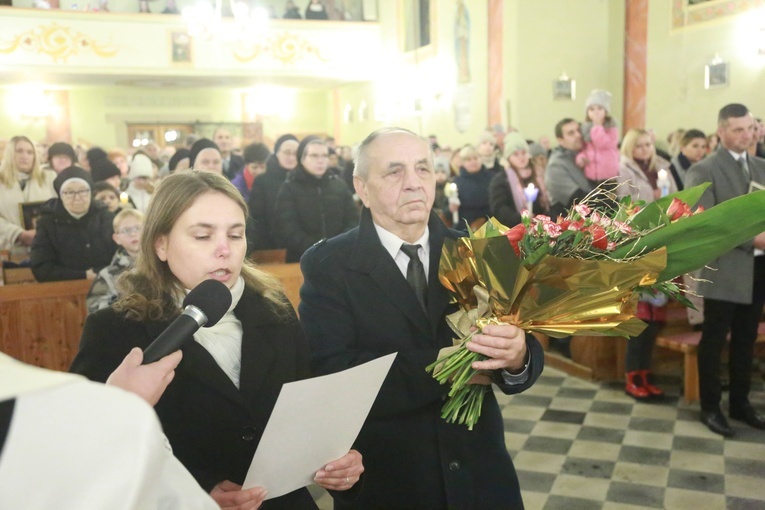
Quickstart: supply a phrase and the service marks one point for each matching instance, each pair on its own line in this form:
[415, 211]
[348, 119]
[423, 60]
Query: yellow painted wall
[432, 80]
[11, 121]
[676, 59]
[100, 114]
[545, 38]
[542, 39]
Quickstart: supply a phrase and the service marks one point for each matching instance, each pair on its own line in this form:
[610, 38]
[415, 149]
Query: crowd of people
[368, 232]
[314, 9]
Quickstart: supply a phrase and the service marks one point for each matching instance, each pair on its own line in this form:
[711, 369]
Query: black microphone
[204, 306]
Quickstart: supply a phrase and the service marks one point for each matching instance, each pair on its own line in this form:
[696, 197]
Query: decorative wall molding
[284, 47]
[58, 42]
[686, 14]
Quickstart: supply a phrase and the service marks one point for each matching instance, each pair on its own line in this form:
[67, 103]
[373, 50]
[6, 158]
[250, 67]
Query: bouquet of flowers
[579, 274]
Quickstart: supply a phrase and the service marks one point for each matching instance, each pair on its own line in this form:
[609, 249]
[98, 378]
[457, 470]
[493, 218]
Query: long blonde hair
[9, 172]
[150, 290]
[629, 142]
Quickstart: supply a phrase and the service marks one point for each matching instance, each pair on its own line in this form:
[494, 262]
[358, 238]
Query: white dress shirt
[392, 244]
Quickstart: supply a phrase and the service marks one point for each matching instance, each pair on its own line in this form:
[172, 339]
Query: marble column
[635, 49]
[496, 70]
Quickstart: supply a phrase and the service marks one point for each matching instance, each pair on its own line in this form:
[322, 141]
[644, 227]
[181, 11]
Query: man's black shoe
[716, 422]
[748, 415]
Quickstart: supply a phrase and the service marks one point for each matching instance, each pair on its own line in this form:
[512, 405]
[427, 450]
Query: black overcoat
[356, 306]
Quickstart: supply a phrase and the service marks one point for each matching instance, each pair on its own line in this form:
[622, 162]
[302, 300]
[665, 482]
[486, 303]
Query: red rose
[514, 235]
[677, 209]
[599, 238]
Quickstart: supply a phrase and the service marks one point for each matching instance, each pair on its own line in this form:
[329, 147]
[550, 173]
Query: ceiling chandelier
[226, 20]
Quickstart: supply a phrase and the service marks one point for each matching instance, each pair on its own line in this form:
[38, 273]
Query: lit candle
[531, 193]
[452, 193]
[124, 198]
[663, 182]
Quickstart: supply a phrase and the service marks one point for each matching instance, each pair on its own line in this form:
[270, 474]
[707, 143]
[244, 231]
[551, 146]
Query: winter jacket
[565, 181]
[679, 167]
[310, 209]
[633, 181]
[601, 152]
[103, 292]
[65, 248]
[261, 229]
[10, 198]
[473, 191]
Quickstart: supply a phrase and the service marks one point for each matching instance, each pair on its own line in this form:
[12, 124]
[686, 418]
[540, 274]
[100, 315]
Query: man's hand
[341, 474]
[504, 345]
[26, 237]
[759, 241]
[146, 381]
[230, 496]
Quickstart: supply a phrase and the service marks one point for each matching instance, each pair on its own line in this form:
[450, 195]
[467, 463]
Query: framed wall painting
[716, 75]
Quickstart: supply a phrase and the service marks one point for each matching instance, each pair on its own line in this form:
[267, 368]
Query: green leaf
[654, 214]
[699, 239]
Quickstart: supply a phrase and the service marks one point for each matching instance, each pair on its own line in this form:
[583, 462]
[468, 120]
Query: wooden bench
[687, 342]
[41, 323]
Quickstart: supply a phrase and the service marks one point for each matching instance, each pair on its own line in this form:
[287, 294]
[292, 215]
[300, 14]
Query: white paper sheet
[314, 422]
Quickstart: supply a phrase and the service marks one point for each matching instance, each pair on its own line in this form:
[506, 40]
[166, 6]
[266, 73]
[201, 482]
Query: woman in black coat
[473, 189]
[216, 408]
[74, 233]
[313, 203]
[261, 229]
[506, 191]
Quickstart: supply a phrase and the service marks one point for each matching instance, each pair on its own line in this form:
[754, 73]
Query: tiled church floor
[583, 445]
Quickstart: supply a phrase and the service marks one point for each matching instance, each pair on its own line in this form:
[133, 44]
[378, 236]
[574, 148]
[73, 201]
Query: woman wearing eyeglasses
[313, 203]
[74, 234]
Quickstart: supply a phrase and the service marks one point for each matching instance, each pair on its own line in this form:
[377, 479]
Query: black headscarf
[199, 146]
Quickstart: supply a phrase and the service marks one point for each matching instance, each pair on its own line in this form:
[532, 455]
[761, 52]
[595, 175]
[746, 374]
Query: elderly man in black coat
[357, 304]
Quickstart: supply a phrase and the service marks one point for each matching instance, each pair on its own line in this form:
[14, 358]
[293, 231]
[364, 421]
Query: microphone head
[212, 297]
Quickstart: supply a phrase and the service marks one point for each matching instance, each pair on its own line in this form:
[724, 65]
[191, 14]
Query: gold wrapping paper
[556, 296]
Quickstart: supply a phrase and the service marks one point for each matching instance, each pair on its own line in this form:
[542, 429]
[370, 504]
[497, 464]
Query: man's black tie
[415, 274]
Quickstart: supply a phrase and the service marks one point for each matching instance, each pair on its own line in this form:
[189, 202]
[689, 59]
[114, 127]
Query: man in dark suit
[733, 286]
[357, 304]
[232, 163]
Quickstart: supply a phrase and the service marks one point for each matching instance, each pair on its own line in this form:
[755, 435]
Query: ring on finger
[347, 481]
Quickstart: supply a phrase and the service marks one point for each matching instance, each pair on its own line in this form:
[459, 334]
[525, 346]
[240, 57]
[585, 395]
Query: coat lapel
[198, 364]
[372, 259]
[737, 182]
[438, 296]
[259, 351]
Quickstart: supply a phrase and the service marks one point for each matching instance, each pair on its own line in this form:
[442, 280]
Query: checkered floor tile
[582, 445]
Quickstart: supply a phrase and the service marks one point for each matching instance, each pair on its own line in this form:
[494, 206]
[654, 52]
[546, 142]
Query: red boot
[634, 387]
[652, 390]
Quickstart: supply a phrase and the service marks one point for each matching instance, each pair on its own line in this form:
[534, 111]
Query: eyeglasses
[79, 193]
[317, 156]
[127, 231]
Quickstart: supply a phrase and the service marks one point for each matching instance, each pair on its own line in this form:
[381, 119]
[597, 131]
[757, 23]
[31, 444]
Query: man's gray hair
[361, 163]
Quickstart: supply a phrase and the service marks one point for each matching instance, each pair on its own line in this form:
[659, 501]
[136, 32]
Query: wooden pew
[687, 342]
[41, 323]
